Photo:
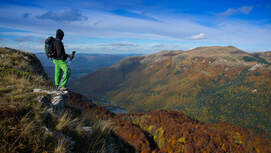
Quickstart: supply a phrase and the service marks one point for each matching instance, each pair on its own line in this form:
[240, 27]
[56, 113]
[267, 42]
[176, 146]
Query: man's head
[59, 34]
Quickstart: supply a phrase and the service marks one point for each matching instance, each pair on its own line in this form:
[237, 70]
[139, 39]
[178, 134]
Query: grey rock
[87, 129]
[55, 100]
[45, 100]
[47, 91]
[47, 131]
[58, 103]
[11, 86]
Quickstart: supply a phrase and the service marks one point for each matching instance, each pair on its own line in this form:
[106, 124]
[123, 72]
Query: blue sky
[142, 26]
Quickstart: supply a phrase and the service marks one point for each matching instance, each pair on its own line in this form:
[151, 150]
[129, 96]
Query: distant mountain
[83, 63]
[208, 83]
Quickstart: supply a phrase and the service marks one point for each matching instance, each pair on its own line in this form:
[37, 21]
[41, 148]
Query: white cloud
[198, 36]
[137, 32]
[25, 34]
[105, 48]
[1, 39]
[246, 9]
[65, 15]
[120, 44]
[33, 47]
[228, 12]
[241, 10]
[158, 47]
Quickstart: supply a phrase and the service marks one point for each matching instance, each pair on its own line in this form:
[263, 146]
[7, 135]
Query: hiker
[60, 62]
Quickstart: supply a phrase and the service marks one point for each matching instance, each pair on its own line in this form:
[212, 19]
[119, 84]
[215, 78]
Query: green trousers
[61, 67]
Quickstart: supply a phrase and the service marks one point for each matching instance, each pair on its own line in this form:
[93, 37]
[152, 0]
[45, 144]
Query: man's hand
[71, 56]
[73, 53]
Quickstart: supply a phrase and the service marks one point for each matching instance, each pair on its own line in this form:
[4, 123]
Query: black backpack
[50, 47]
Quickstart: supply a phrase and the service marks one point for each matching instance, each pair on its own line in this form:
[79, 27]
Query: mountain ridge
[209, 87]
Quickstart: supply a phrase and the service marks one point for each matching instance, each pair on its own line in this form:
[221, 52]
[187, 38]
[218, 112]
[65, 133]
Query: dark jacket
[60, 51]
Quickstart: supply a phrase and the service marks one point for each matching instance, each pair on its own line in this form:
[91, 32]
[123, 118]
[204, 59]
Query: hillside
[36, 118]
[210, 84]
[168, 131]
[32, 122]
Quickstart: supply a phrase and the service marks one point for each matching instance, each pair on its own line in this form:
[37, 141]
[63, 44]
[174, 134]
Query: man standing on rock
[60, 62]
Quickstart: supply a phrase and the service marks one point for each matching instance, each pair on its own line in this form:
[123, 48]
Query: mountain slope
[168, 131]
[29, 123]
[207, 83]
[20, 72]
[43, 120]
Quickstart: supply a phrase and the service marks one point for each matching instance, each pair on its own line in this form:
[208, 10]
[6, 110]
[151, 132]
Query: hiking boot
[64, 89]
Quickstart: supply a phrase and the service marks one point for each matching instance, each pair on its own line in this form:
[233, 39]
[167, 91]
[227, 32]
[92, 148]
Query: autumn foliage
[169, 131]
[210, 84]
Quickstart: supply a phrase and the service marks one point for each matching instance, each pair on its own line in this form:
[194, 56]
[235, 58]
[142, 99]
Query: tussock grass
[21, 123]
[67, 121]
[21, 129]
[97, 140]
[101, 131]
[61, 146]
